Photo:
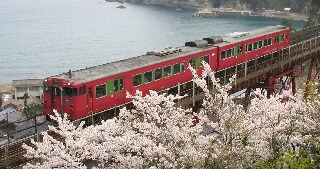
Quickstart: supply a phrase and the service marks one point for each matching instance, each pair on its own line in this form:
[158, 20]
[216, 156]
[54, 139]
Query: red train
[88, 91]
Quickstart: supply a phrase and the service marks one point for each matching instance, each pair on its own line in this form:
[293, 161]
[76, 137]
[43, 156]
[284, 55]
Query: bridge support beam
[274, 85]
[246, 99]
[278, 83]
[313, 75]
[294, 85]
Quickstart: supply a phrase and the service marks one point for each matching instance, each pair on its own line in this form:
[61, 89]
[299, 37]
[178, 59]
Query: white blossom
[158, 134]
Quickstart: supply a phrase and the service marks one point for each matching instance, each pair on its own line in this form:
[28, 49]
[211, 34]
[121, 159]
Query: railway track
[12, 155]
[304, 34]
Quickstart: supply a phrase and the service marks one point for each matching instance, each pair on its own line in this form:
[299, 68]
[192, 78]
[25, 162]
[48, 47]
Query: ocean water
[41, 38]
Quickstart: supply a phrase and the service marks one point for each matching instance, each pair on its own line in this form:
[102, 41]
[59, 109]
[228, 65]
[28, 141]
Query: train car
[88, 91]
[92, 90]
[239, 47]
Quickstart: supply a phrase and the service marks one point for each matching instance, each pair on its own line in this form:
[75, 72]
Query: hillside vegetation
[314, 12]
[308, 7]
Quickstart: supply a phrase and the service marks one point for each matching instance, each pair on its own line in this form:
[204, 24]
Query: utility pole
[25, 109]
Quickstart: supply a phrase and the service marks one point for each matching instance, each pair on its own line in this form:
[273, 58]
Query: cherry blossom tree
[158, 134]
[267, 130]
[154, 134]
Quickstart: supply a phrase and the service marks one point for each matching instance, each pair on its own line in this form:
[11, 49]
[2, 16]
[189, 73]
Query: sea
[42, 38]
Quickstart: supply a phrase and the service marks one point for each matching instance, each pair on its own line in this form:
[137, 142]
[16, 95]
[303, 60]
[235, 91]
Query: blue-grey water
[41, 38]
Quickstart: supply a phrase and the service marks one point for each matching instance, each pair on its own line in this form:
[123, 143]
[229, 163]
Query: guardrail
[15, 133]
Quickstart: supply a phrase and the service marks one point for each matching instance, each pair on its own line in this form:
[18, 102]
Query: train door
[114, 89]
[56, 99]
[214, 59]
[89, 101]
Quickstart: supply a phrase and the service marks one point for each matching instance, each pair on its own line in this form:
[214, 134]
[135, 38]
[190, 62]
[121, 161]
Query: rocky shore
[212, 12]
[285, 15]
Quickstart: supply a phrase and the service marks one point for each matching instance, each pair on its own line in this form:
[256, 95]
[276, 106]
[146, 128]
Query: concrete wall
[34, 88]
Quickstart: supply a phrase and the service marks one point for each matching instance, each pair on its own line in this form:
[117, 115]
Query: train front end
[62, 95]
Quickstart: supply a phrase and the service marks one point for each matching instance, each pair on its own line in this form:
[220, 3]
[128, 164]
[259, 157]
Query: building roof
[12, 103]
[10, 114]
[114, 68]
[27, 82]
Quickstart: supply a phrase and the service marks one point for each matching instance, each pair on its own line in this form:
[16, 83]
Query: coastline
[213, 12]
[283, 15]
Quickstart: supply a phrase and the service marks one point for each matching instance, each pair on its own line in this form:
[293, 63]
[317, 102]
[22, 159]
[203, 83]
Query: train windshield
[46, 88]
[69, 91]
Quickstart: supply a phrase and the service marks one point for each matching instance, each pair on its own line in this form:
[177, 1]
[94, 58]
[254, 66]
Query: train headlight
[69, 83]
[45, 80]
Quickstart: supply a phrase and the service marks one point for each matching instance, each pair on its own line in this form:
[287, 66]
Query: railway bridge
[272, 72]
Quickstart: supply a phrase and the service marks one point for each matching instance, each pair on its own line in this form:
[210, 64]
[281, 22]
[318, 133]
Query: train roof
[114, 68]
[243, 36]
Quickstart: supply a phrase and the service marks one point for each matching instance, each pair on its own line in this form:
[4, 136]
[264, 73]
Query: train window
[121, 83]
[260, 44]
[195, 62]
[238, 50]
[82, 90]
[279, 38]
[181, 67]
[69, 91]
[158, 74]
[147, 77]
[57, 91]
[167, 71]
[84, 87]
[235, 51]
[230, 53]
[269, 41]
[137, 80]
[223, 55]
[249, 47]
[192, 62]
[206, 58]
[114, 85]
[265, 42]
[46, 88]
[176, 68]
[101, 90]
[255, 46]
[90, 92]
